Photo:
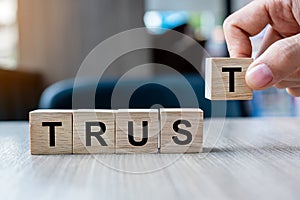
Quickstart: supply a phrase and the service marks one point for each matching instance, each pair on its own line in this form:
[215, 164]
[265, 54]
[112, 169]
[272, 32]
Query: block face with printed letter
[51, 131]
[93, 131]
[225, 79]
[181, 130]
[137, 131]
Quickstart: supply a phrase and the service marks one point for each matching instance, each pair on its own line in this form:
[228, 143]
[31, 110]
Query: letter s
[188, 134]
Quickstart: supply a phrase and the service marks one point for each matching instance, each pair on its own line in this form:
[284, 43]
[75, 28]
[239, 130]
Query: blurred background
[43, 43]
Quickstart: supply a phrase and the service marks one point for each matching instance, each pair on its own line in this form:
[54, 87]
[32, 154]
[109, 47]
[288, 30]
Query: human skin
[278, 59]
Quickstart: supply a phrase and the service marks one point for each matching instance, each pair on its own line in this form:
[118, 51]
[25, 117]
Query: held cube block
[93, 131]
[225, 79]
[181, 130]
[51, 131]
[137, 131]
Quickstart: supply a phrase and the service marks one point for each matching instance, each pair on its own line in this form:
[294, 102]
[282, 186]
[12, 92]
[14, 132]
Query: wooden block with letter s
[137, 131]
[93, 131]
[181, 130]
[51, 131]
[225, 79]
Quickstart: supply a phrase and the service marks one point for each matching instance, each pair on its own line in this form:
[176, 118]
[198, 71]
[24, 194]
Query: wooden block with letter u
[181, 130]
[137, 131]
[51, 131]
[93, 131]
[225, 79]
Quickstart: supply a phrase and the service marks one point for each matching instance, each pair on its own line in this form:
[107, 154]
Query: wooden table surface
[252, 159]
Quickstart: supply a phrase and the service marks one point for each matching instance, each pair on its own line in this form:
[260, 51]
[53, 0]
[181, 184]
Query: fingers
[296, 10]
[248, 21]
[278, 57]
[294, 91]
[279, 61]
[270, 37]
[294, 76]
[287, 84]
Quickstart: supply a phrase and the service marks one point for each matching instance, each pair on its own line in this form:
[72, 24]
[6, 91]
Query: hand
[278, 61]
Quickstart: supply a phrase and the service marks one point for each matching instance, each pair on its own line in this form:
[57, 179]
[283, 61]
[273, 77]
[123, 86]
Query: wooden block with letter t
[51, 131]
[137, 131]
[181, 130]
[93, 131]
[225, 79]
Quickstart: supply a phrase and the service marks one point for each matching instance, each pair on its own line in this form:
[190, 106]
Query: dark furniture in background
[19, 93]
[147, 94]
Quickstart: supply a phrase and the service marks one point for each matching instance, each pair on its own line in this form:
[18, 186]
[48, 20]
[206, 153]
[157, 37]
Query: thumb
[281, 59]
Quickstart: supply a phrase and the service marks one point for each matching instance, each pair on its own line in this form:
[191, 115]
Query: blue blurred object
[158, 21]
[59, 95]
[272, 102]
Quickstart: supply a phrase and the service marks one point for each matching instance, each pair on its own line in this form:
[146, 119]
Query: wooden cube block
[225, 79]
[51, 131]
[181, 130]
[137, 131]
[93, 131]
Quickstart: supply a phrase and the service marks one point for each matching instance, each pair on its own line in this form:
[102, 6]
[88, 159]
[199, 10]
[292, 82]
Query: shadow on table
[269, 148]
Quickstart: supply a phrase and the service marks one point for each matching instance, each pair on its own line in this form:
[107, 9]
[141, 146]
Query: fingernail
[259, 76]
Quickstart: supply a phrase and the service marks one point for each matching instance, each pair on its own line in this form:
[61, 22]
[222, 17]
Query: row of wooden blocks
[116, 131]
[138, 131]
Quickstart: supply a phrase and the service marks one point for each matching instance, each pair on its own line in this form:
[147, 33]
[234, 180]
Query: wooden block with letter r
[137, 131]
[225, 79]
[51, 131]
[93, 131]
[181, 130]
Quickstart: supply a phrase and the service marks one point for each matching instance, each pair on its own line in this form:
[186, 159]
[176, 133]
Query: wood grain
[190, 124]
[80, 120]
[251, 159]
[217, 81]
[40, 134]
[137, 116]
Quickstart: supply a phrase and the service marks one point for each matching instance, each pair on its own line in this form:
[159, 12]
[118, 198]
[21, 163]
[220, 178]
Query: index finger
[246, 22]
